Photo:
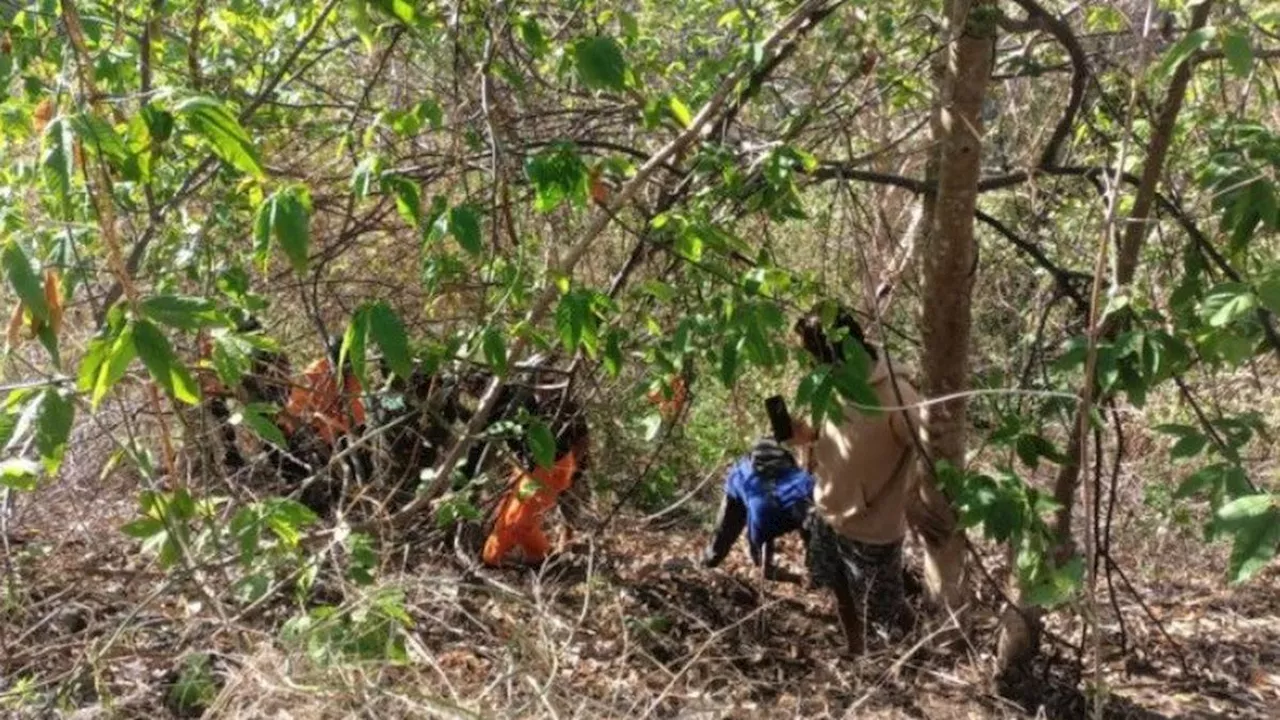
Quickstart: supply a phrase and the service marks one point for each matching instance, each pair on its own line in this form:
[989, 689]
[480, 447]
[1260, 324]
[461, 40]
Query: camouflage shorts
[873, 573]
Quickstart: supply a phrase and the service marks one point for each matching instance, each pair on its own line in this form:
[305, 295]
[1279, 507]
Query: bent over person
[769, 495]
[534, 490]
[865, 471]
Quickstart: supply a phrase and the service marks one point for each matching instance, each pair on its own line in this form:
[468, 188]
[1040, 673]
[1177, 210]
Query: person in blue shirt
[769, 495]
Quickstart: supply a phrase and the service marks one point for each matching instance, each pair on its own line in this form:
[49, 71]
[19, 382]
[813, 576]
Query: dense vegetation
[1063, 215]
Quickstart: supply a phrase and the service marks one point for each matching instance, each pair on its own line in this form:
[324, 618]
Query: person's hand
[802, 433]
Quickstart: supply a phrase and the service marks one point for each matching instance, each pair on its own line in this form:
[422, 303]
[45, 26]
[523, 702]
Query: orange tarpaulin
[670, 407]
[520, 515]
[318, 402]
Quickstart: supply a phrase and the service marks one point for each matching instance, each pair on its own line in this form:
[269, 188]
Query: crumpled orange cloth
[519, 519]
[318, 402]
[670, 407]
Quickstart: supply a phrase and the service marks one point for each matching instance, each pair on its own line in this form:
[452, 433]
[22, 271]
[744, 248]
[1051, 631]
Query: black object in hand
[779, 418]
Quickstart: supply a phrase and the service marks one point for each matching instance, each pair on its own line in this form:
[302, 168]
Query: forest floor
[623, 625]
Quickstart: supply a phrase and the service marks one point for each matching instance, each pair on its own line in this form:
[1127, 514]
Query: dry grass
[625, 626]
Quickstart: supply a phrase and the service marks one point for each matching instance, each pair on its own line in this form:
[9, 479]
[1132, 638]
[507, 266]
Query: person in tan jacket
[865, 471]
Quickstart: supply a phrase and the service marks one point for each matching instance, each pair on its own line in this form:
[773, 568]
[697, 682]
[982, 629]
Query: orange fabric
[670, 407]
[519, 519]
[316, 400]
[210, 385]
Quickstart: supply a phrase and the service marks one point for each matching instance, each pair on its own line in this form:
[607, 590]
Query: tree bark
[948, 256]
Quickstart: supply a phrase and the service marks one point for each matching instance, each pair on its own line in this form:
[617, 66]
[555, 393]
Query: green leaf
[184, 312]
[364, 559]
[231, 357]
[600, 64]
[557, 174]
[98, 135]
[1253, 522]
[1206, 478]
[19, 474]
[144, 528]
[680, 111]
[354, 341]
[210, 119]
[286, 215]
[570, 320]
[157, 355]
[402, 10]
[246, 528]
[95, 355]
[852, 384]
[1058, 586]
[1184, 49]
[1003, 516]
[533, 37]
[366, 175]
[159, 123]
[729, 361]
[613, 353]
[1235, 46]
[1227, 303]
[288, 518]
[495, 349]
[1188, 446]
[57, 163]
[408, 197]
[464, 223]
[118, 357]
[53, 428]
[258, 418]
[1031, 448]
[389, 333]
[542, 443]
[24, 280]
[1269, 294]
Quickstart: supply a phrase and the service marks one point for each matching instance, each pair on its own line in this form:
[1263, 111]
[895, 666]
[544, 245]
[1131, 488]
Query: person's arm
[856, 504]
[730, 522]
[802, 433]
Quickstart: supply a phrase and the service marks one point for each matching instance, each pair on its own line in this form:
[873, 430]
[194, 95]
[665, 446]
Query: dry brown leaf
[53, 298]
[14, 334]
[42, 115]
[599, 191]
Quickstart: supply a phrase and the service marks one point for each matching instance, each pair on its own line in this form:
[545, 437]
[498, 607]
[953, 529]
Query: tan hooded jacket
[865, 466]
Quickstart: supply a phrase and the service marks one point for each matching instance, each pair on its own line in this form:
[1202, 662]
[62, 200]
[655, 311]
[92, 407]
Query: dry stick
[716, 467]
[600, 220]
[1113, 492]
[1146, 609]
[104, 204]
[698, 654]
[667, 430]
[1084, 416]
[198, 177]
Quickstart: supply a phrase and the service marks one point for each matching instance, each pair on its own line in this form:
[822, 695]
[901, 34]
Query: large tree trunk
[1017, 641]
[948, 279]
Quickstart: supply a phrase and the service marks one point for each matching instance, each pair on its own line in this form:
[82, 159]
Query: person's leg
[828, 568]
[534, 543]
[850, 609]
[886, 599]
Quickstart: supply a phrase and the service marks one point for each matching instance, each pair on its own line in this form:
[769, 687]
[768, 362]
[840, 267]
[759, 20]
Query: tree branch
[600, 220]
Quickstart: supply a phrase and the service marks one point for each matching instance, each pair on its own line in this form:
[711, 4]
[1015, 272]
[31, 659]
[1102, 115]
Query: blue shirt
[773, 508]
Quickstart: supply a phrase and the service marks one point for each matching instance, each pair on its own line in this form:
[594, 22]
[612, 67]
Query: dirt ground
[621, 625]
